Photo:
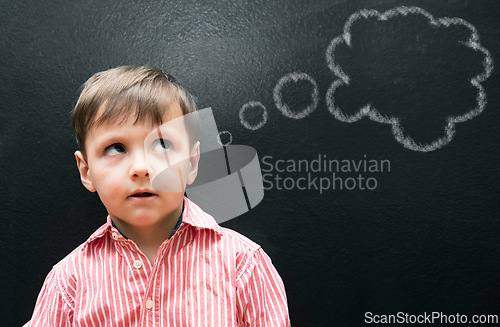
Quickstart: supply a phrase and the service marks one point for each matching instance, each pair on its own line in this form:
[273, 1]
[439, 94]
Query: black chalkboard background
[424, 239]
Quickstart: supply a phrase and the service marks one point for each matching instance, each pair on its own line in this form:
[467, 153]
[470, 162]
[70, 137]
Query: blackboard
[375, 123]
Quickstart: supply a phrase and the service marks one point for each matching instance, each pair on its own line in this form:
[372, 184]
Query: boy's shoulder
[243, 253]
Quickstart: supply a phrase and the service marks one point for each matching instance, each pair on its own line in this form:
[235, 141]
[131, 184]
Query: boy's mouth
[142, 194]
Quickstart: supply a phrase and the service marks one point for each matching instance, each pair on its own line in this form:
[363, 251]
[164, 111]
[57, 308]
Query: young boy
[159, 260]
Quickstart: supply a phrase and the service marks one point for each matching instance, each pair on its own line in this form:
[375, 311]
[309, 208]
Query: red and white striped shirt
[204, 275]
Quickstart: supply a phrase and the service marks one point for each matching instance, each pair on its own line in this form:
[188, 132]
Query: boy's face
[123, 159]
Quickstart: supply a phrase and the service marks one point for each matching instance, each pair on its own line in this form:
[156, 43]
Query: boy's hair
[126, 91]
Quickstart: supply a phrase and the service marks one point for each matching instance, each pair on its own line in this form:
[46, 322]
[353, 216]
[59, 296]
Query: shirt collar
[196, 217]
[191, 215]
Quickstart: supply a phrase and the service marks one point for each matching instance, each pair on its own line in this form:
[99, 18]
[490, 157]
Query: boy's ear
[83, 168]
[194, 159]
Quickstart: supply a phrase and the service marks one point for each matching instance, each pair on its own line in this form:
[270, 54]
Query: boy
[159, 260]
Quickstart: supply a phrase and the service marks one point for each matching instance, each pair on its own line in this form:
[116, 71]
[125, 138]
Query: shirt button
[149, 304]
[137, 264]
[115, 236]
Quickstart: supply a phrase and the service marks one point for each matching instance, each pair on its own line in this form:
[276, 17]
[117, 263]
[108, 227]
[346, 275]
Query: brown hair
[141, 91]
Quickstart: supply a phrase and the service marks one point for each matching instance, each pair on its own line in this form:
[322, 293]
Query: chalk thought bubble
[386, 61]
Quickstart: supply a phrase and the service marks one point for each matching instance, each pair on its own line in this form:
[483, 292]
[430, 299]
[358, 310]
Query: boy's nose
[139, 167]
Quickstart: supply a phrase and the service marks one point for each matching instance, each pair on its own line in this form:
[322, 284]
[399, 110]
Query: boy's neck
[149, 238]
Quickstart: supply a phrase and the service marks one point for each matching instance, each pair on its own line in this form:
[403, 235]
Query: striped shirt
[204, 275]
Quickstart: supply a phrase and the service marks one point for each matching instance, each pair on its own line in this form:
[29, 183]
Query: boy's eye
[114, 149]
[161, 145]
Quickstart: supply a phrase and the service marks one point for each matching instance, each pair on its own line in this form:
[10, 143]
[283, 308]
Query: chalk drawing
[245, 122]
[228, 142]
[372, 113]
[284, 108]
